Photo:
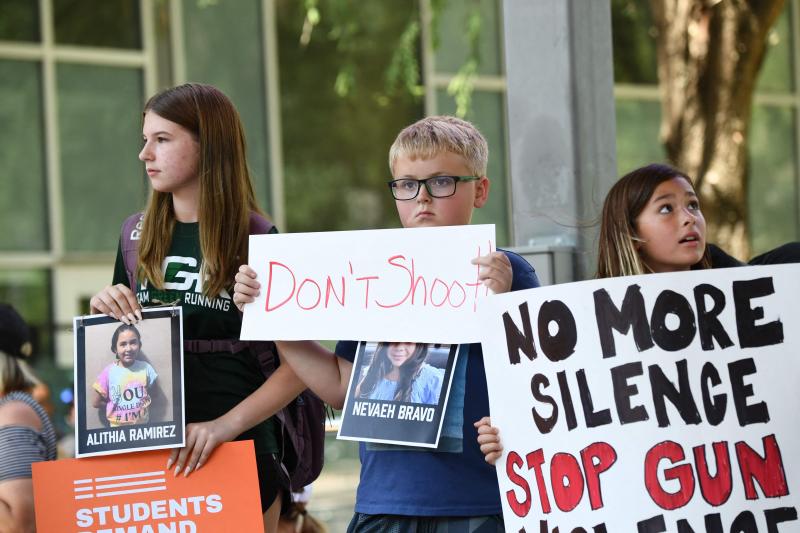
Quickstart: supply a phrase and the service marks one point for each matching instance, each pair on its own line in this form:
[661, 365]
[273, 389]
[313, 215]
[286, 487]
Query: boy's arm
[274, 394]
[325, 373]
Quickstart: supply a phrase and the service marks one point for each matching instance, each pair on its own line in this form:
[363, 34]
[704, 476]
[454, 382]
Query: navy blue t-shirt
[454, 479]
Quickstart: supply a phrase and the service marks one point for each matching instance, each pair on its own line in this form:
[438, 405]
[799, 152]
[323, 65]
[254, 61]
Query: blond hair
[432, 136]
[12, 376]
[226, 191]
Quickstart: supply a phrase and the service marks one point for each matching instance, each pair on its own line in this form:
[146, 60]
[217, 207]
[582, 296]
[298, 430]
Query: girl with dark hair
[398, 372]
[652, 222]
[192, 236]
[123, 386]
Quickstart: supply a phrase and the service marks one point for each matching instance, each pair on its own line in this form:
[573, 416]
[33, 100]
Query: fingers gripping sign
[489, 440]
[495, 271]
[201, 440]
[118, 302]
[246, 288]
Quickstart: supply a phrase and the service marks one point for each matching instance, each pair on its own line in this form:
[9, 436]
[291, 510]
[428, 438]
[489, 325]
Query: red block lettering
[566, 479]
[683, 473]
[767, 470]
[597, 458]
[717, 489]
[521, 509]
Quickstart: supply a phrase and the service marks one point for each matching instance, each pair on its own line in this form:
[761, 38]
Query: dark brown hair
[617, 254]
[381, 365]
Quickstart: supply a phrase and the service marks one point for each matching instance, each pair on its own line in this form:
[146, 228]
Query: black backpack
[303, 420]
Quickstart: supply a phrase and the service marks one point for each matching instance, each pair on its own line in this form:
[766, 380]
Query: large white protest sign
[659, 403]
[414, 284]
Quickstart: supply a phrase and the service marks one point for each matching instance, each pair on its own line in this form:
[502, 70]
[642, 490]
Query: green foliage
[462, 85]
[403, 70]
[345, 93]
[633, 33]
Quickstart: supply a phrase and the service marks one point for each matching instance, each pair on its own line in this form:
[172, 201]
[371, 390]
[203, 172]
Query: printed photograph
[398, 393]
[129, 383]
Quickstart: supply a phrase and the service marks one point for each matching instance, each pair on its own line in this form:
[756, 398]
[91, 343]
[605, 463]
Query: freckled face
[400, 352]
[425, 210]
[128, 346]
[672, 227]
[170, 153]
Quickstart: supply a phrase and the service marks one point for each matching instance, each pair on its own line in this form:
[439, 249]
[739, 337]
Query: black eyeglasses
[437, 186]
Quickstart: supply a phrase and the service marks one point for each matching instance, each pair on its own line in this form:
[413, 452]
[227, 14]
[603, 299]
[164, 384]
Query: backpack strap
[259, 225]
[132, 232]
[129, 245]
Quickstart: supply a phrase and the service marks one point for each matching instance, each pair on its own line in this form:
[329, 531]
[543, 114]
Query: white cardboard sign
[658, 403]
[413, 284]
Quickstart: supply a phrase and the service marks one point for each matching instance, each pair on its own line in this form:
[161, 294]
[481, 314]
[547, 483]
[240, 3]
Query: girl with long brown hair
[398, 372]
[192, 236]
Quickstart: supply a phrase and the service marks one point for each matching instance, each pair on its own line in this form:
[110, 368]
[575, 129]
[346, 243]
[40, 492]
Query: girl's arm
[98, 400]
[281, 388]
[489, 439]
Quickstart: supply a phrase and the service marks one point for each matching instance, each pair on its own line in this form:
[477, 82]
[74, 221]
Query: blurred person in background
[26, 434]
[295, 519]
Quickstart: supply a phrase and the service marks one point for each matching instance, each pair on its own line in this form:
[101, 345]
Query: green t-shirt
[213, 382]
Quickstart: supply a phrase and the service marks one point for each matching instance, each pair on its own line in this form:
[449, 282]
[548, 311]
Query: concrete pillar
[562, 146]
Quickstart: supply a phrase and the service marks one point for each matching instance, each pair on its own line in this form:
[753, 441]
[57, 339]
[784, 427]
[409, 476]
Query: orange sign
[134, 493]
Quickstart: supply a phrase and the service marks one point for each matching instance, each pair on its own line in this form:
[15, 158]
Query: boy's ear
[481, 191]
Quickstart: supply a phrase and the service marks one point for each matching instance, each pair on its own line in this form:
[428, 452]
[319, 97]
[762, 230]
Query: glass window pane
[776, 71]
[772, 187]
[221, 38]
[110, 23]
[488, 115]
[453, 26]
[633, 36]
[638, 123]
[19, 20]
[100, 121]
[23, 194]
[336, 147]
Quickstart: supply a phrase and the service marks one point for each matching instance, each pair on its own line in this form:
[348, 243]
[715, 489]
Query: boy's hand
[489, 439]
[495, 271]
[246, 287]
[201, 440]
[118, 302]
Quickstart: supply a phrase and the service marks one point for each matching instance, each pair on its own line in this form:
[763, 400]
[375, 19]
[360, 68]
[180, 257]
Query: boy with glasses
[439, 169]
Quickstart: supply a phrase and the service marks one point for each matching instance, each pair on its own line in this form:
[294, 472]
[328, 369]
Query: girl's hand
[489, 439]
[495, 271]
[118, 302]
[201, 439]
[246, 287]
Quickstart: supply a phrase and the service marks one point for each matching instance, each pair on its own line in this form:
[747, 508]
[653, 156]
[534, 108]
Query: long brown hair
[381, 365]
[618, 255]
[226, 191]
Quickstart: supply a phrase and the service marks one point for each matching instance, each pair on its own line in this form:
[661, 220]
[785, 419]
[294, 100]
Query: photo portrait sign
[133, 493]
[361, 284]
[656, 403]
[398, 393]
[129, 383]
